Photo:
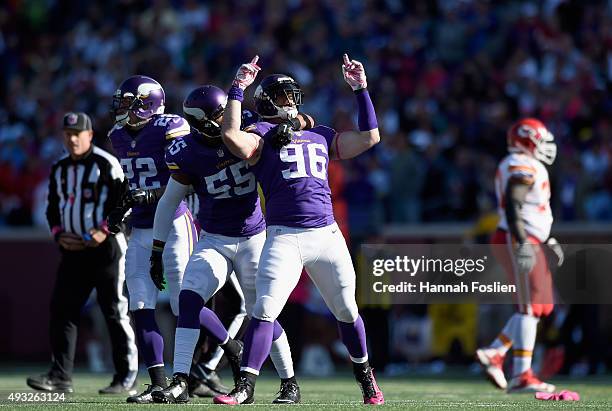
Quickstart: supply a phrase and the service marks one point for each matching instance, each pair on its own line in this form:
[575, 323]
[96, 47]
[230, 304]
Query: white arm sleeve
[166, 207]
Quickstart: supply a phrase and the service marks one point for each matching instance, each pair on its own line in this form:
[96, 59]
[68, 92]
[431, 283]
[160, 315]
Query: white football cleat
[528, 382]
[493, 364]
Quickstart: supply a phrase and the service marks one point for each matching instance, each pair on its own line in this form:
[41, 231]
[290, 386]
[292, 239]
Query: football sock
[157, 375]
[524, 341]
[185, 340]
[190, 304]
[280, 353]
[503, 342]
[354, 338]
[150, 340]
[213, 325]
[187, 330]
[255, 354]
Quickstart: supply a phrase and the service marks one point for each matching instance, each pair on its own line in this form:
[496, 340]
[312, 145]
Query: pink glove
[564, 395]
[354, 73]
[245, 76]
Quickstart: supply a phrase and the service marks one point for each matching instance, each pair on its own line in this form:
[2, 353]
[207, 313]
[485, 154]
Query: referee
[84, 186]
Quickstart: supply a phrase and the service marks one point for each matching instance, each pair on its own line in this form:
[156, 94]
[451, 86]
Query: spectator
[450, 76]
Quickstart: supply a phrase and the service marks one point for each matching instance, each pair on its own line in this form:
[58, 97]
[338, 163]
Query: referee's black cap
[77, 121]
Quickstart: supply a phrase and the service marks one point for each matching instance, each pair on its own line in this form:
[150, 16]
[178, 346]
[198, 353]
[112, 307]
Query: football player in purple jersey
[301, 230]
[232, 238]
[139, 137]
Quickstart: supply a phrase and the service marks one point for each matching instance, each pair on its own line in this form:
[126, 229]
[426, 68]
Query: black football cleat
[197, 388]
[243, 393]
[144, 397]
[176, 393]
[204, 377]
[289, 392]
[117, 386]
[45, 382]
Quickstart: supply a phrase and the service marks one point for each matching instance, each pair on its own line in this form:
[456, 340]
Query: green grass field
[341, 393]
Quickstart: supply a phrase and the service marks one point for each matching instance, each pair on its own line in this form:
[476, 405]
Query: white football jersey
[535, 212]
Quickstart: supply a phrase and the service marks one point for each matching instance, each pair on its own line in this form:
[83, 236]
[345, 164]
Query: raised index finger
[254, 61]
[345, 57]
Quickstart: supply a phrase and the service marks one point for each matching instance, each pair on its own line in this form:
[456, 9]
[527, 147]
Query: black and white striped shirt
[82, 192]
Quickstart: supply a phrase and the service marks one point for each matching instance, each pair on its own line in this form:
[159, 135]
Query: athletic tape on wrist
[235, 93]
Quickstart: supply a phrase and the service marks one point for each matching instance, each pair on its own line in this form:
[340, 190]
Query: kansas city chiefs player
[523, 196]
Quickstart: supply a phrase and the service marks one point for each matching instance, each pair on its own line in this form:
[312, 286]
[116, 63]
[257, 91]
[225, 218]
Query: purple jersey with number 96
[294, 178]
[141, 154]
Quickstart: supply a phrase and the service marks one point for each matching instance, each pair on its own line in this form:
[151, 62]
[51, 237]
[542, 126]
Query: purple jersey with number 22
[142, 158]
[294, 178]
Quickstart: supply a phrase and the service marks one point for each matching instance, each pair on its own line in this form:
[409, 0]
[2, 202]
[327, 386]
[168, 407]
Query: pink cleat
[225, 399]
[243, 393]
[372, 395]
[492, 362]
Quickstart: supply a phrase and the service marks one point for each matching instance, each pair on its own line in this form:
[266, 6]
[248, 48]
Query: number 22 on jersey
[145, 167]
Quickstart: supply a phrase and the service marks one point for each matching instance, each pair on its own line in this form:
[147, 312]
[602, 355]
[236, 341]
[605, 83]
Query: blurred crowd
[447, 78]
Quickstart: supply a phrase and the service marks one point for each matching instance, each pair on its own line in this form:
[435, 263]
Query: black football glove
[157, 268]
[114, 220]
[139, 197]
[283, 133]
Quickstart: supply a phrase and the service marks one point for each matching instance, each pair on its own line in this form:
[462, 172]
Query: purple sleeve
[177, 162]
[327, 132]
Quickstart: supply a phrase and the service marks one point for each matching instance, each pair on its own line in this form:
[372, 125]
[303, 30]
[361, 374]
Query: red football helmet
[530, 136]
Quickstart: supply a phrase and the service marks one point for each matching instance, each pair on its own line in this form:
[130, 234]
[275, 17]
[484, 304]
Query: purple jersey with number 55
[294, 178]
[226, 187]
[141, 154]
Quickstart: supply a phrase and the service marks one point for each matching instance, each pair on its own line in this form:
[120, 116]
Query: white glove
[245, 76]
[556, 248]
[525, 258]
[354, 73]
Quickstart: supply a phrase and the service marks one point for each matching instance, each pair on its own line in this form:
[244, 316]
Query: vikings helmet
[278, 96]
[202, 109]
[140, 95]
[530, 136]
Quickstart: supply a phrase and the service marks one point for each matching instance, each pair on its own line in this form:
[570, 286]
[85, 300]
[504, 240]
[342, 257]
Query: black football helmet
[278, 96]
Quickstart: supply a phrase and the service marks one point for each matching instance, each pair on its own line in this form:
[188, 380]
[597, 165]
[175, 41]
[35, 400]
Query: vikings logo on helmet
[203, 109]
[530, 136]
[137, 100]
[278, 96]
